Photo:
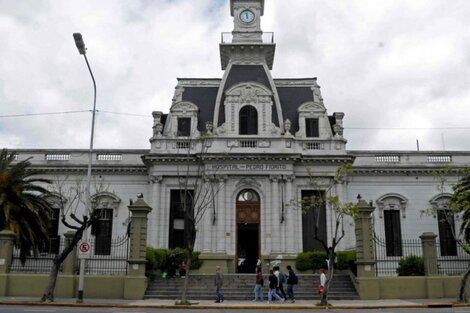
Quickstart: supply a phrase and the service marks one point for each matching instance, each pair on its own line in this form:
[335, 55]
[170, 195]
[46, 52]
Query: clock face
[247, 16]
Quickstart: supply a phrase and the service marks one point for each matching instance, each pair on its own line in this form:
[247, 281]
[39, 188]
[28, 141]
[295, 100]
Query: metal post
[81, 48]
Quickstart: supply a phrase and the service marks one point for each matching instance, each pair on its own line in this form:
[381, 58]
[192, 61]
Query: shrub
[345, 260]
[196, 262]
[318, 259]
[314, 260]
[310, 260]
[168, 260]
[156, 260]
[411, 266]
[303, 262]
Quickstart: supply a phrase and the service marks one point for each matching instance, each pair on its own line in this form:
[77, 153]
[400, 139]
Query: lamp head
[79, 43]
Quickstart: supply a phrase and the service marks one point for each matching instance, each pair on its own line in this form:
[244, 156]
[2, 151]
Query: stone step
[240, 287]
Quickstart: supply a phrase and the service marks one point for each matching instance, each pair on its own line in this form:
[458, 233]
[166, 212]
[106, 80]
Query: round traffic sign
[84, 247]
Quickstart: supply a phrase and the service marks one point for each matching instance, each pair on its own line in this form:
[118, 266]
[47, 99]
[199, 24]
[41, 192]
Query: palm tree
[460, 202]
[23, 206]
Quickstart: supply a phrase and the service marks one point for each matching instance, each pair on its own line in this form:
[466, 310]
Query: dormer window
[311, 128]
[248, 121]
[184, 126]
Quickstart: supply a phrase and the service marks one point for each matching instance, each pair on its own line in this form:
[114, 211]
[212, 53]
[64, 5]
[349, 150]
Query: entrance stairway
[240, 287]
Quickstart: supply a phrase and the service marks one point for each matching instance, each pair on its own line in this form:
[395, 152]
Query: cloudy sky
[399, 69]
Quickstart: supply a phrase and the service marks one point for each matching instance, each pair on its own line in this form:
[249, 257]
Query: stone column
[70, 263]
[155, 237]
[276, 218]
[7, 238]
[428, 242]
[364, 240]
[220, 239]
[289, 213]
[138, 237]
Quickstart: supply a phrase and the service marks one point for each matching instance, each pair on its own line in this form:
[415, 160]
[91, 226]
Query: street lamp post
[82, 50]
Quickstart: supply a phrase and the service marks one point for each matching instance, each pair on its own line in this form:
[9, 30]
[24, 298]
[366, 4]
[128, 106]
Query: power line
[122, 113]
[48, 113]
[406, 128]
[71, 112]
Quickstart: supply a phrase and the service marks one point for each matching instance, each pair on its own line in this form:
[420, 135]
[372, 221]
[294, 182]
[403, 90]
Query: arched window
[445, 223]
[392, 206]
[104, 205]
[248, 120]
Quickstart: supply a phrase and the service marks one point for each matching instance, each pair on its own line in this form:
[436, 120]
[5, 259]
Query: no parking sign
[84, 249]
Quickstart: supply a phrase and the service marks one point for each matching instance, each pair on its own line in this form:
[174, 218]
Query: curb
[237, 307]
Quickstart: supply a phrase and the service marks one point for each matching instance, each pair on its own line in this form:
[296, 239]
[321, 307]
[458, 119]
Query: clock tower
[247, 43]
[247, 14]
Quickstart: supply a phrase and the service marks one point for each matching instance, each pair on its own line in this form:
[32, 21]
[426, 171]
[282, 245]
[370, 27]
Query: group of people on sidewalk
[277, 281]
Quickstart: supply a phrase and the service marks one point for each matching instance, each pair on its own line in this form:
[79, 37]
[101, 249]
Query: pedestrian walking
[321, 286]
[281, 280]
[292, 280]
[272, 294]
[259, 285]
[218, 282]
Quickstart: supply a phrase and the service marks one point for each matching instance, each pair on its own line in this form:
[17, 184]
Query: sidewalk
[206, 304]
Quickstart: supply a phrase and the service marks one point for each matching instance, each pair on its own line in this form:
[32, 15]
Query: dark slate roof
[247, 73]
[240, 74]
[204, 98]
[291, 99]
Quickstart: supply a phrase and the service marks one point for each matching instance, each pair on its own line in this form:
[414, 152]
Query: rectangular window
[53, 245]
[446, 239]
[102, 230]
[184, 126]
[311, 127]
[178, 210]
[310, 217]
[393, 232]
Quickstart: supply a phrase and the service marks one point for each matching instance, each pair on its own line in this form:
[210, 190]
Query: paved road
[46, 309]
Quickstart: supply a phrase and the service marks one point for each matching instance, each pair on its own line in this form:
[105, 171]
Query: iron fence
[386, 264]
[114, 262]
[40, 264]
[452, 264]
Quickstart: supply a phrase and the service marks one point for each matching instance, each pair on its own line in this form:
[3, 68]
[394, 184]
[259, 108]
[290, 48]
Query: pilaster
[364, 240]
[7, 238]
[276, 216]
[428, 242]
[138, 237]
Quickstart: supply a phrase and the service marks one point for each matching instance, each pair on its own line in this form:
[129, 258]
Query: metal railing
[452, 264]
[386, 265]
[265, 37]
[113, 263]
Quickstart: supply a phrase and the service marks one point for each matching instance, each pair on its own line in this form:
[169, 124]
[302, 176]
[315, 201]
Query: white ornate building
[261, 136]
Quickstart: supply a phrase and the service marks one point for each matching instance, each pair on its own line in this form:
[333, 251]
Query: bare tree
[450, 206]
[70, 199]
[339, 210]
[198, 187]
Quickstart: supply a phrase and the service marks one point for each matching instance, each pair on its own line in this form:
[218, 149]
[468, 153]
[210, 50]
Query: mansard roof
[293, 92]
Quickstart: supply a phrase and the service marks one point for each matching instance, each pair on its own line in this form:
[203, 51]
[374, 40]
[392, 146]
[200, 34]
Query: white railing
[387, 158]
[109, 157]
[439, 158]
[248, 143]
[57, 157]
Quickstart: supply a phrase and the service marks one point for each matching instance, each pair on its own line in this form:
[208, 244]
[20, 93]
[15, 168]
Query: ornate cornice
[137, 170]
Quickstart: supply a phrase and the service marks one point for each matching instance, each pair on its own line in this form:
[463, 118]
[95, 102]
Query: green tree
[199, 188]
[458, 204]
[339, 211]
[24, 209]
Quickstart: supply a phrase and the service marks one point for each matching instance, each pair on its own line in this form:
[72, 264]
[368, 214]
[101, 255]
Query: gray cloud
[386, 64]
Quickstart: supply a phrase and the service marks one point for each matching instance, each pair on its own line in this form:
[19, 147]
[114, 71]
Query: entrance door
[248, 220]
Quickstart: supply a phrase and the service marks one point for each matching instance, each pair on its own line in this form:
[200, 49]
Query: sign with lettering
[259, 167]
